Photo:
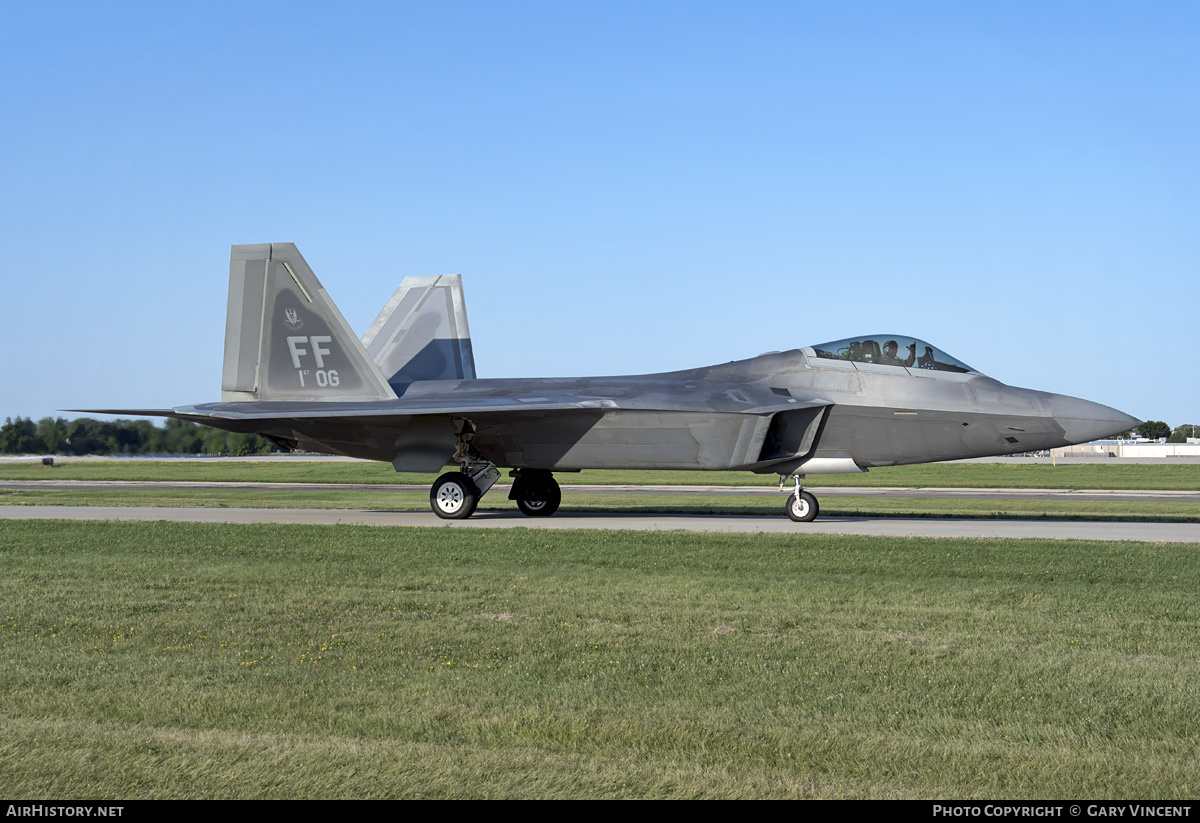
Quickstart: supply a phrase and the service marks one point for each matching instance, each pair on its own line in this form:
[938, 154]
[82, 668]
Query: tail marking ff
[284, 337]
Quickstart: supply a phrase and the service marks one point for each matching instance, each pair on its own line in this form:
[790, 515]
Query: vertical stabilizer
[284, 337]
[422, 333]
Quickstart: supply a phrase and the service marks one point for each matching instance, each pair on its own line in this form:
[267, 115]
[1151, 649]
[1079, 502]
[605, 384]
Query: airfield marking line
[877, 526]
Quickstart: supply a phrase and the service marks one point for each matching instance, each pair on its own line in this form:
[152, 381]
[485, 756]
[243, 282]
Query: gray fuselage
[781, 413]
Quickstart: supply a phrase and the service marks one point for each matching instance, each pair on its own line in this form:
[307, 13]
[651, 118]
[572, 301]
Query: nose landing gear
[801, 505]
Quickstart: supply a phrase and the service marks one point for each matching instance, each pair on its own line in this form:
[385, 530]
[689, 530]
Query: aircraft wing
[732, 399]
[715, 428]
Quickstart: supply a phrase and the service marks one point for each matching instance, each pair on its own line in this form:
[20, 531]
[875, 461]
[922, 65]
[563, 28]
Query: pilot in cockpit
[891, 348]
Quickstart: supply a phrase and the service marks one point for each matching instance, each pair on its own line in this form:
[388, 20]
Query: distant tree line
[56, 435]
[1158, 430]
[1182, 433]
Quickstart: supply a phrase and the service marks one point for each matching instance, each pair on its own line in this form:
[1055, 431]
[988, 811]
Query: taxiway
[773, 523]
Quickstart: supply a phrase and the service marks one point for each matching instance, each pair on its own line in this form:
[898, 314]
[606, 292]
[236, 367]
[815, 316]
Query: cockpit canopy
[891, 350]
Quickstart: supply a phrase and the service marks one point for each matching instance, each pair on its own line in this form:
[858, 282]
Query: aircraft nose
[1083, 420]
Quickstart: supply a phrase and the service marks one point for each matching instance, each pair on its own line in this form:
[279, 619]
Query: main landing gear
[536, 492]
[455, 495]
[801, 505]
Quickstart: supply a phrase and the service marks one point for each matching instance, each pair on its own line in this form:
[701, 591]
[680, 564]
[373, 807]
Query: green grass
[831, 506]
[187, 660]
[962, 475]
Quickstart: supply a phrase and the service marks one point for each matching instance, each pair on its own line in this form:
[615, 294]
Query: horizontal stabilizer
[128, 412]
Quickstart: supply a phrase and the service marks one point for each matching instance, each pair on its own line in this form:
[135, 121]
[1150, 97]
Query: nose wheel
[801, 505]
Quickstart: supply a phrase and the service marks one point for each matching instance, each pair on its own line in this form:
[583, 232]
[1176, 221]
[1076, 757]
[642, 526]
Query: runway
[765, 523]
[773, 524]
[768, 490]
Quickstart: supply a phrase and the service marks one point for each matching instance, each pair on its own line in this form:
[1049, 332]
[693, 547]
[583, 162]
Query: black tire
[454, 496]
[542, 500]
[804, 509]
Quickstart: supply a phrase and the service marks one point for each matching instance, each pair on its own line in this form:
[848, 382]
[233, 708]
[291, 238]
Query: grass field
[950, 475]
[187, 660]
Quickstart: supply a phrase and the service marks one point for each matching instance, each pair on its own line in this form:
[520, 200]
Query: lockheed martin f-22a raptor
[407, 394]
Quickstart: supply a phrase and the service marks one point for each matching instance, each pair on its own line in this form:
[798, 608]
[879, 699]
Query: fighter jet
[407, 394]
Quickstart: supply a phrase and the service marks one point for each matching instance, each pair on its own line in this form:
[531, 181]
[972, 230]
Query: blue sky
[625, 187]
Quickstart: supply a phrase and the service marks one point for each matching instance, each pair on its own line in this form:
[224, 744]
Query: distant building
[1139, 448]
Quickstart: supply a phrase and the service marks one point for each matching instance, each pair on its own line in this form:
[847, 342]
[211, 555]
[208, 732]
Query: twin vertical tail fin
[285, 339]
[422, 333]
